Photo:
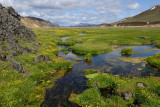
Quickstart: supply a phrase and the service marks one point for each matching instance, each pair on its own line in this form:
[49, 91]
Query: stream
[75, 80]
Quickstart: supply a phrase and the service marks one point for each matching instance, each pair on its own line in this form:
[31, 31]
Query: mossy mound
[126, 51]
[154, 61]
[123, 92]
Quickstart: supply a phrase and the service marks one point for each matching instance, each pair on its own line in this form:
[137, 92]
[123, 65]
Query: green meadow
[102, 40]
[28, 88]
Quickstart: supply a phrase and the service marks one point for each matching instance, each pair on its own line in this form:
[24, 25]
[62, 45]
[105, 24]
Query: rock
[141, 84]
[1, 7]
[16, 65]
[41, 58]
[11, 29]
[12, 12]
[3, 57]
[12, 33]
[126, 95]
[53, 72]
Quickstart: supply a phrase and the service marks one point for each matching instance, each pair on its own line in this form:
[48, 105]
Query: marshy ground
[61, 81]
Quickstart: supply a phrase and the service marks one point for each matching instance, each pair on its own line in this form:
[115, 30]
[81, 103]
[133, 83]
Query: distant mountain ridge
[85, 25]
[33, 22]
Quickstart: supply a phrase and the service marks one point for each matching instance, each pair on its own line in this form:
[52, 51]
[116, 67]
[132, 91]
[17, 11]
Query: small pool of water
[81, 34]
[141, 38]
[63, 39]
[75, 80]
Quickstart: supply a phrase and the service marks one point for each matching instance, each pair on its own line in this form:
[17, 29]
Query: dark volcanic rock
[12, 35]
[1, 7]
[11, 28]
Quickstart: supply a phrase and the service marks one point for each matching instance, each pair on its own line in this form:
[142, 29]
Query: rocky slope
[148, 17]
[33, 22]
[13, 36]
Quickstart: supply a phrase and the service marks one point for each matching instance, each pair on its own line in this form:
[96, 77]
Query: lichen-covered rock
[16, 65]
[41, 58]
[141, 84]
[126, 95]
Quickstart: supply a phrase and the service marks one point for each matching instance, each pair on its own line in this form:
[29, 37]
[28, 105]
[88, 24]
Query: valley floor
[29, 88]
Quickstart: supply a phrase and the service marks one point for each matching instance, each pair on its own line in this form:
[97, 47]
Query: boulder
[12, 33]
[12, 30]
[141, 84]
[126, 95]
[3, 57]
[16, 65]
[41, 58]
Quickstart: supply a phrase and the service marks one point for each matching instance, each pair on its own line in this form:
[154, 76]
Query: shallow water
[63, 39]
[81, 34]
[75, 80]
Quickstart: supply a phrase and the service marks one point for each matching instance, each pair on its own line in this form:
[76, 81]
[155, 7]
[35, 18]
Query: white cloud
[134, 6]
[24, 14]
[6, 3]
[70, 12]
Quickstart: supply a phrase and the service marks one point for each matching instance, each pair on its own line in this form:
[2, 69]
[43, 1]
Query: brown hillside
[33, 22]
[148, 17]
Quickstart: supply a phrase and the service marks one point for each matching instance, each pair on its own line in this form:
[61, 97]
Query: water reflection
[75, 81]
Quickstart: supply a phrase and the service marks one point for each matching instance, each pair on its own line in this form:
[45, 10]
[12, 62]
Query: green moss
[90, 71]
[15, 93]
[102, 81]
[126, 51]
[157, 90]
[142, 96]
[89, 76]
[88, 57]
[85, 49]
[29, 87]
[90, 97]
[116, 101]
[99, 40]
[154, 61]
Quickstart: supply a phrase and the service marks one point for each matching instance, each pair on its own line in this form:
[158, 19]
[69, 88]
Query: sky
[73, 12]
